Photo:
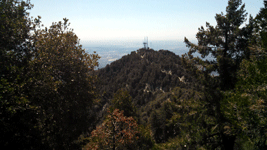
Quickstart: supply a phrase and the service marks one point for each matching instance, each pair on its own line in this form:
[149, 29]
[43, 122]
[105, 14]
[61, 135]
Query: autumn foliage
[116, 131]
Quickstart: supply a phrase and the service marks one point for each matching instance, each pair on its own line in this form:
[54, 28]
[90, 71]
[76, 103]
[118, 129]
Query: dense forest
[51, 96]
[143, 73]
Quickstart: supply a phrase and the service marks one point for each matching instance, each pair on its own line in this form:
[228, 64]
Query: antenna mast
[145, 43]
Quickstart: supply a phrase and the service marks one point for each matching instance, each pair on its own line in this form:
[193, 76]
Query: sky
[109, 20]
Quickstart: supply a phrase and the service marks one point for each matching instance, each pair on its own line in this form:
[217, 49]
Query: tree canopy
[228, 44]
[47, 88]
[115, 132]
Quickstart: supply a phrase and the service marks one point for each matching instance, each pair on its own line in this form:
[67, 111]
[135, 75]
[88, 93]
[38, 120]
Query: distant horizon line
[131, 40]
[131, 43]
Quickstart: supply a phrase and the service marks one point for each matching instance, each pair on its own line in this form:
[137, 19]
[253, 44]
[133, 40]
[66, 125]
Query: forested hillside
[148, 76]
[144, 74]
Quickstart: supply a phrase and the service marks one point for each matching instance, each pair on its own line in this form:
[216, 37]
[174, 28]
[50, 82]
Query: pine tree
[260, 29]
[245, 105]
[227, 45]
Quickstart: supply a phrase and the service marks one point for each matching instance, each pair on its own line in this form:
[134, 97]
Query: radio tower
[145, 43]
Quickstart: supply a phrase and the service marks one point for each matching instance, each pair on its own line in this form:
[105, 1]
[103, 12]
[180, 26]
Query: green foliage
[260, 31]
[158, 126]
[192, 121]
[17, 115]
[159, 122]
[245, 105]
[145, 140]
[183, 119]
[46, 86]
[144, 74]
[62, 86]
[122, 100]
[226, 43]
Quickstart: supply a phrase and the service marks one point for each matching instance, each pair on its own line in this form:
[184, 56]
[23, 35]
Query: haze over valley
[110, 51]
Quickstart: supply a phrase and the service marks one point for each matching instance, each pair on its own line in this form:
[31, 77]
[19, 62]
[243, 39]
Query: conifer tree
[245, 105]
[260, 29]
[227, 45]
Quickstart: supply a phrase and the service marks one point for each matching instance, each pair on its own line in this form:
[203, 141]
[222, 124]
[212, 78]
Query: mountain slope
[144, 73]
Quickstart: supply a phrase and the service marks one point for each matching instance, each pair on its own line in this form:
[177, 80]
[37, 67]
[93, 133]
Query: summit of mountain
[144, 73]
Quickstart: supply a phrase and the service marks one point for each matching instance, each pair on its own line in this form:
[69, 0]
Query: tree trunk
[114, 134]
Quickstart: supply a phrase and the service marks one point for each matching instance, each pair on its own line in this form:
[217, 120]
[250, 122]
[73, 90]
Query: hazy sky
[134, 19]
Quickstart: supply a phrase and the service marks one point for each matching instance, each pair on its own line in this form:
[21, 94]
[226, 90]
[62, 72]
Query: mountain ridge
[143, 73]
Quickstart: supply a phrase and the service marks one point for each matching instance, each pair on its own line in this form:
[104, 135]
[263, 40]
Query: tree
[245, 105]
[158, 128]
[63, 87]
[227, 44]
[46, 85]
[115, 132]
[187, 120]
[260, 31]
[122, 100]
[17, 115]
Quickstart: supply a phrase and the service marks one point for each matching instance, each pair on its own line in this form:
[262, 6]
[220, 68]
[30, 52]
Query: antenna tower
[145, 43]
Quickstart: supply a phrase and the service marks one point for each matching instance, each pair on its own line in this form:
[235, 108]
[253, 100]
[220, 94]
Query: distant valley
[110, 52]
